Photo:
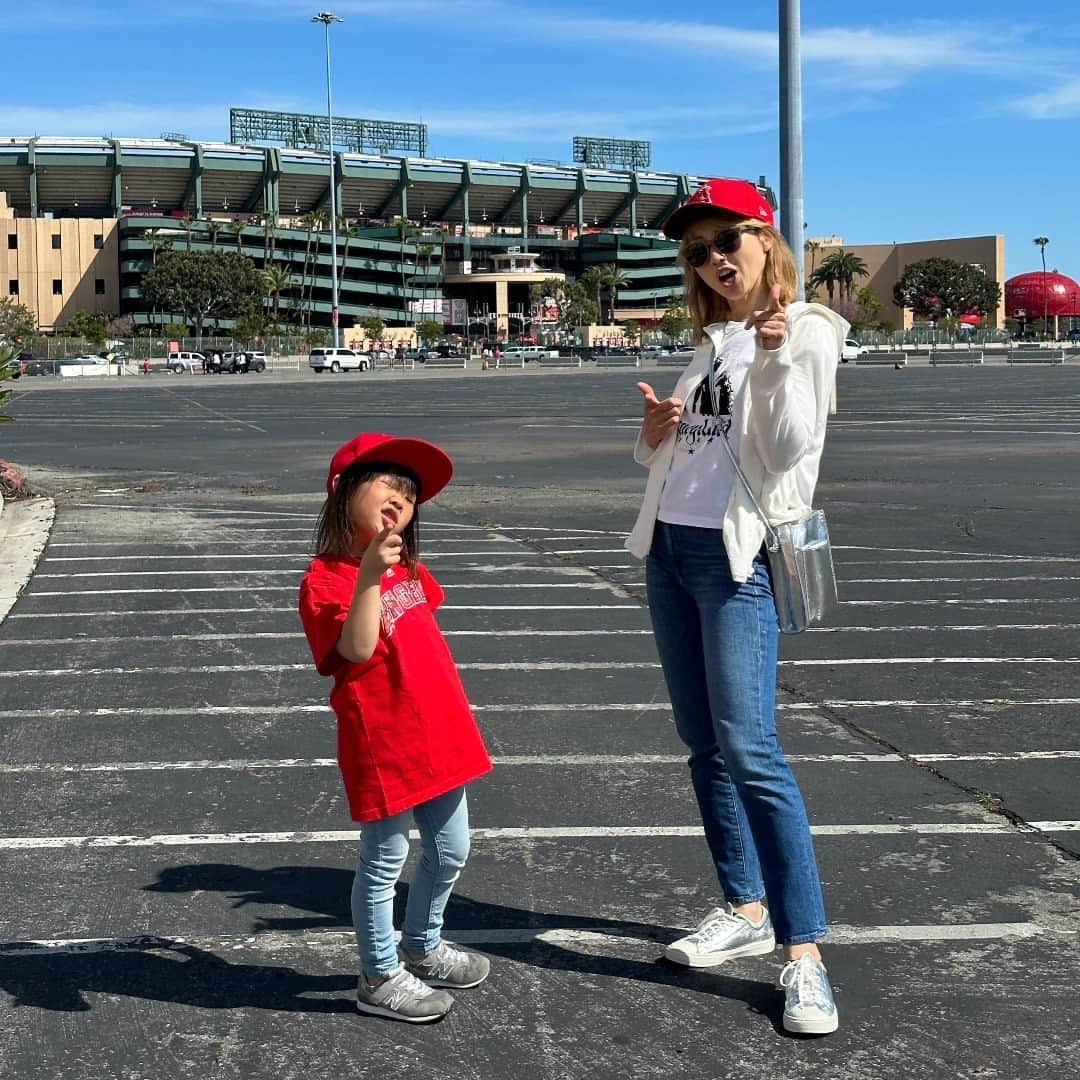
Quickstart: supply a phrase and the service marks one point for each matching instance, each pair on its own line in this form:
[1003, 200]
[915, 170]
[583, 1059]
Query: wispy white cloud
[1061, 102]
[117, 118]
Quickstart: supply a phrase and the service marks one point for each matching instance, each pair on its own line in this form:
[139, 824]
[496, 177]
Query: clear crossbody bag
[800, 558]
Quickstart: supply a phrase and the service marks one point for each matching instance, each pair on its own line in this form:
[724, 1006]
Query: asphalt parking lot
[176, 856]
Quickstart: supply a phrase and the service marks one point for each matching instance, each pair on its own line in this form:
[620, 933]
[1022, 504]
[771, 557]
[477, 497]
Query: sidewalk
[24, 531]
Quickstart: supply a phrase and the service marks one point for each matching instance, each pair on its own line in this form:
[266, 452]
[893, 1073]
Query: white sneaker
[723, 935]
[809, 1008]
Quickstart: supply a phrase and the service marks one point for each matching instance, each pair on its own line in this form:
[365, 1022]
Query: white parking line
[620, 942]
[516, 760]
[522, 834]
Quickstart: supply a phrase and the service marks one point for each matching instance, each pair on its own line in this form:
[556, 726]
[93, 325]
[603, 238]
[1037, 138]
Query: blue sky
[913, 128]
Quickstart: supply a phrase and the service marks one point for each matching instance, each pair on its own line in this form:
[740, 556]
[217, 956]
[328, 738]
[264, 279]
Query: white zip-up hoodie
[782, 418]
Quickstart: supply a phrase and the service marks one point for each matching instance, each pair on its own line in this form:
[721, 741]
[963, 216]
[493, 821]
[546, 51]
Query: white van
[335, 360]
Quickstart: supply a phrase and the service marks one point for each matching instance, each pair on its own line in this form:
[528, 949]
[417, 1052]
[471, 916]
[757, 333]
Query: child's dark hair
[333, 530]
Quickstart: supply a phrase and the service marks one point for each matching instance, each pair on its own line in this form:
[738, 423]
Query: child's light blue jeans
[443, 823]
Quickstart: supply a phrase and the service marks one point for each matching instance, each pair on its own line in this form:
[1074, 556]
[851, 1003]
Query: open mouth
[727, 277]
[389, 519]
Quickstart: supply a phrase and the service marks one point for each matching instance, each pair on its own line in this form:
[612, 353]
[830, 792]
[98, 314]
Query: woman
[761, 377]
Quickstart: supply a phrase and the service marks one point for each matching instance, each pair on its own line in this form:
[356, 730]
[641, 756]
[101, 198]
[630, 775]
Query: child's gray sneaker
[809, 1008]
[722, 935]
[402, 996]
[448, 966]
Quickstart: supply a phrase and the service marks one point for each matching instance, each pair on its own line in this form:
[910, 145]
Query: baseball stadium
[417, 237]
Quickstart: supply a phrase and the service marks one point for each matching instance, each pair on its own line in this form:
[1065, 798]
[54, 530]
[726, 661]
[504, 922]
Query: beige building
[886, 264]
[58, 266]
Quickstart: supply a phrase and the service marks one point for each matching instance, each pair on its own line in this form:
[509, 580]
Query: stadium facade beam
[117, 178]
[31, 165]
[193, 192]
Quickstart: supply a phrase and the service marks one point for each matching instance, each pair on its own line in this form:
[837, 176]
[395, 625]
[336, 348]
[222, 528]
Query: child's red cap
[432, 465]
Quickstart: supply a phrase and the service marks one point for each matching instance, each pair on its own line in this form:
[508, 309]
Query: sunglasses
[725, 242]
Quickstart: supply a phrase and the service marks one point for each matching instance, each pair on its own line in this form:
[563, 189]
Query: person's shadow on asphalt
[165, 969]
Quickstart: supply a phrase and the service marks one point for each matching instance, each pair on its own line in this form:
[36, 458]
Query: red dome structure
[1025, 293]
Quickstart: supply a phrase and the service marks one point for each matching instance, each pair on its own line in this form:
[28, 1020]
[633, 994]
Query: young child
[407, 740]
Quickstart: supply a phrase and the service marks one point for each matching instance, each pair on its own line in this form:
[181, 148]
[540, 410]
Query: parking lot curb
[24, 530]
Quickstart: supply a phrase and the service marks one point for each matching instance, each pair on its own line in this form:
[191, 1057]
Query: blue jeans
[443, 823]
[717, 640]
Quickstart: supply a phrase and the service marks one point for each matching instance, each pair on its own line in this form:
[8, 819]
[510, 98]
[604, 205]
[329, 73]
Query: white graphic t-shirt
[699, 480]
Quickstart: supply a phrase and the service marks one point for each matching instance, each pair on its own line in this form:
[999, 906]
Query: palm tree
[187, 222]
[425, 251]
[614, 279]
[849, 266]
[813, 247]
[276, 280]
[349, 233]
[158, 242]
[1041, 242]
[404, 228]
[213, 228]
[310, 221]
[236, 227]
[593, 280]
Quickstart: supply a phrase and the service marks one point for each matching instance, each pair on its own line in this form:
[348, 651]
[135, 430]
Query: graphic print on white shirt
[700, 476]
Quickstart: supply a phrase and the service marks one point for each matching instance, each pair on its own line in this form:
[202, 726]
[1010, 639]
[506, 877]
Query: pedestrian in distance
[407, 740]
[761, 378]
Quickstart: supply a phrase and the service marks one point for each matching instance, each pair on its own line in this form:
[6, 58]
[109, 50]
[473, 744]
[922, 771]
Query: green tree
[430, 331]
[203, 284]
[614, 279]
[7, 371]
[934, 288]
[89, 325]
[573, 305]
[593, 280]
[838, 272]
[373, 328]
[250, 326]
[159, 242]
[236, 227]
[16, 320]
[675, 320]
[275, 281]
[214, 229]
[187, 222]
[632, 329]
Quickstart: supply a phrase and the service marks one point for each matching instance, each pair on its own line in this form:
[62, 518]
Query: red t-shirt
[405, 730]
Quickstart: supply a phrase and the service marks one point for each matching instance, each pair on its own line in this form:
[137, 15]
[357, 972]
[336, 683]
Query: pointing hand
[770, 322]
[661, 417]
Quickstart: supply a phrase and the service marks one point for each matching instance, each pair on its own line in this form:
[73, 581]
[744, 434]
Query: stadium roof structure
[110, 177]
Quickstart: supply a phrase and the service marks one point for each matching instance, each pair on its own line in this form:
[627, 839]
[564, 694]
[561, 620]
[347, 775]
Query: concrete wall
[887, 262]
[30, 267]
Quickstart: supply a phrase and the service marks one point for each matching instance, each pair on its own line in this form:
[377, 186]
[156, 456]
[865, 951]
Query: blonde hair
[706, 306]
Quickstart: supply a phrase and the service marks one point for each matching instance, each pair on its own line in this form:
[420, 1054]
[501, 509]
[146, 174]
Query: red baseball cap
[431, 465]
[738, 197]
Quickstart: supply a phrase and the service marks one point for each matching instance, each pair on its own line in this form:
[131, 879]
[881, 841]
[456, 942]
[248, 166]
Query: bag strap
[774, 540]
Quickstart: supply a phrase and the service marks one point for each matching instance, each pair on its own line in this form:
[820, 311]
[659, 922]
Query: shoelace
[406, 985]
[809, 983]
[443, 960]
[717, 920]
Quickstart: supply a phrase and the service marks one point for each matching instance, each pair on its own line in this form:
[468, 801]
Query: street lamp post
[791, 178]
[326, 18]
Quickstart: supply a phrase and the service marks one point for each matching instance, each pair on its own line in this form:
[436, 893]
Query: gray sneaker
[809, 1008]
[723, 935]
[403, 997]
[448, 966]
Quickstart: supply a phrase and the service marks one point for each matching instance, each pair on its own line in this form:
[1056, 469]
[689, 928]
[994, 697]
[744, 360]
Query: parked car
[179, 362]
[335, 360]
[852, 350]
[256, 361]
[41, 366]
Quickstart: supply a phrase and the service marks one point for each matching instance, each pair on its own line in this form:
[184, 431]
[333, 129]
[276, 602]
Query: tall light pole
[791, 181]
[326, 18]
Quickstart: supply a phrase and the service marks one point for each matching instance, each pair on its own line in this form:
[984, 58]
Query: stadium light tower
[326, 18]
[791, 178]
